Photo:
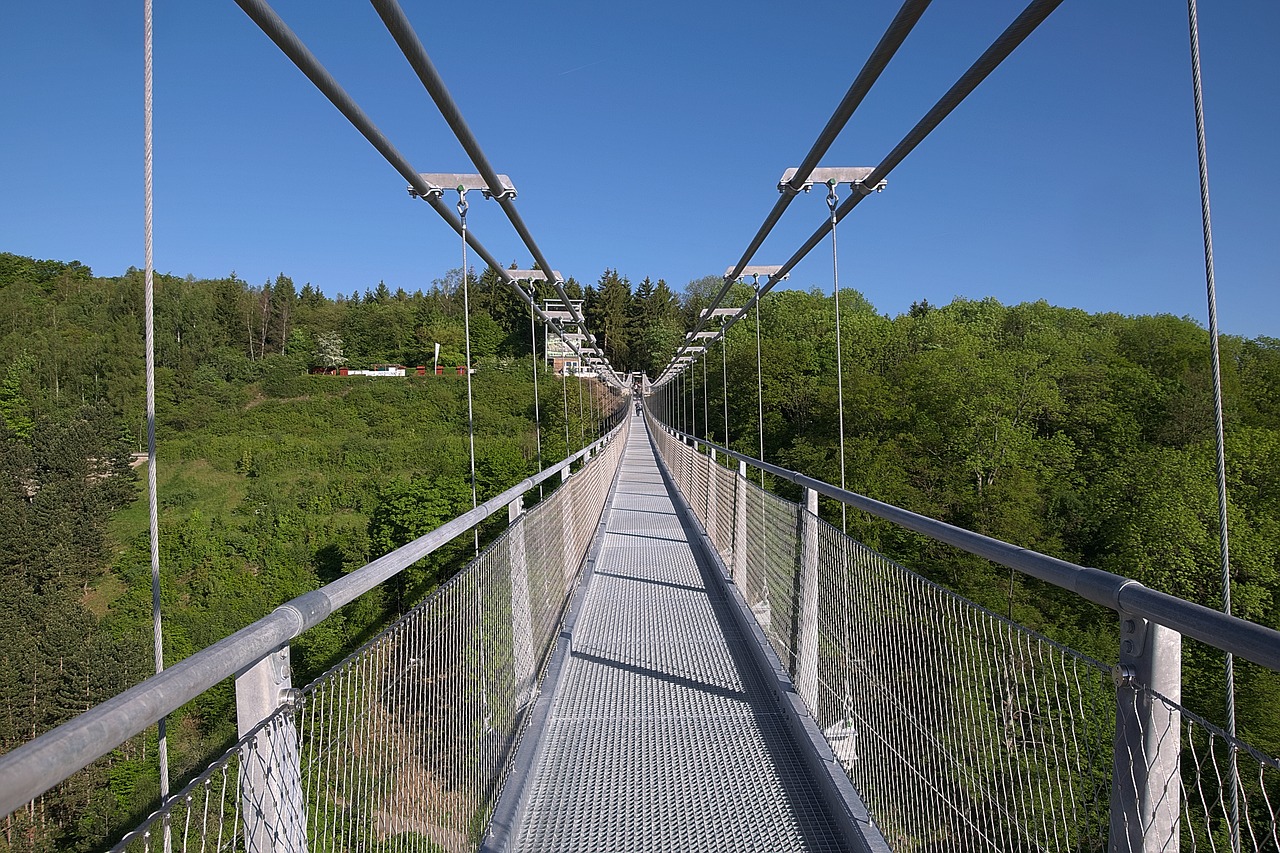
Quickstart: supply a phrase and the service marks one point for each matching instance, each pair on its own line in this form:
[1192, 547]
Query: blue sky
[650, 137]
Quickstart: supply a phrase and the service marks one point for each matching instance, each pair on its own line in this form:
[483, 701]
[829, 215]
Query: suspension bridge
[664, 654]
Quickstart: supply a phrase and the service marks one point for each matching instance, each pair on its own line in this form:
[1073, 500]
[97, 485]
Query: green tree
[328, 352]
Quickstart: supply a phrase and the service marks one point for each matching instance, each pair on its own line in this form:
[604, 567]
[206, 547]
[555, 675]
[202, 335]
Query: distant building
[558, 352]
[376, 370]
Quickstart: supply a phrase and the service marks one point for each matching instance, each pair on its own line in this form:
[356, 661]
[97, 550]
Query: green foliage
[1084, 436]
[271, 483]
[15, 408]
[1088, 437]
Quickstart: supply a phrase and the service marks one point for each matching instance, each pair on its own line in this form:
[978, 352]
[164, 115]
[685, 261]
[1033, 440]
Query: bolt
[1124, 675]
[1127, 647]
[291, 698]
[1129, 626]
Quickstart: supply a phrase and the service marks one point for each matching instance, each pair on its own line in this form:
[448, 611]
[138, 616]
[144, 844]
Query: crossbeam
[854, 176]
[534, 275]
[438, 182]
[755, 271]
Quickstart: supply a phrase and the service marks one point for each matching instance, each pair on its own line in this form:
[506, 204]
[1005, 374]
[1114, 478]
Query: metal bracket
[718, 312]
[1133, 635]
[755, 271]
[854, 176]
[438, 182]
[534, 275]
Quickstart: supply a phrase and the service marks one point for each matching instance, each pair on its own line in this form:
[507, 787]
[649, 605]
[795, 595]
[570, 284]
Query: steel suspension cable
[582, 425]
[832, 198]
[693, 399]
[1016, 33]
[466, 328]
[261, 13]
[724, 381]
[537, 403]
[153, 512]
[1206, 223]
[397, 24]
[684, 401]
[759, 381]
[564, 384]
[896, 33]
[706, 417]
[679, 401]
[693, 396]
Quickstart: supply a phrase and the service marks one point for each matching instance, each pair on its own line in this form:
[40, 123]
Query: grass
[183, 487]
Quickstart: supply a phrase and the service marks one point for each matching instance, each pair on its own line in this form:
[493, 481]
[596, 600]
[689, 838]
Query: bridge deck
[663, 734]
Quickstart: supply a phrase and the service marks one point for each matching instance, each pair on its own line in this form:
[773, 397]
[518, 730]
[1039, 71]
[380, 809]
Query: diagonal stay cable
[1016, 33]
[397, 23]
[261, 13]
[897, 32]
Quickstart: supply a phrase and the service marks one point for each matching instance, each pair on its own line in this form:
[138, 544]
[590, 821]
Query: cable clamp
[865, 190]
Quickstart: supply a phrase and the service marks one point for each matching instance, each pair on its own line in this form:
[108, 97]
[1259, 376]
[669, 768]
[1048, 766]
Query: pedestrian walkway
[663, 733]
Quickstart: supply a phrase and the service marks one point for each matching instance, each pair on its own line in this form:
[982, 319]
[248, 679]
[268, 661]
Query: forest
[1085, 436]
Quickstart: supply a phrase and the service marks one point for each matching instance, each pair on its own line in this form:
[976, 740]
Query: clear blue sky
[650, 137]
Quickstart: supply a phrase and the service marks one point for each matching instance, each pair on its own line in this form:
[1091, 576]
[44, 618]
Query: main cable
[1016, 33]
[894, 36]
[261, 13]
[398, 25]
[896, 33]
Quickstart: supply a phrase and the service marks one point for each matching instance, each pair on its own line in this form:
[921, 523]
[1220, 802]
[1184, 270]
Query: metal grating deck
[662, 734]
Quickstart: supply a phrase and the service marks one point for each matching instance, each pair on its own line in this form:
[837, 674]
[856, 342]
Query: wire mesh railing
[403, 745]
[963, 730]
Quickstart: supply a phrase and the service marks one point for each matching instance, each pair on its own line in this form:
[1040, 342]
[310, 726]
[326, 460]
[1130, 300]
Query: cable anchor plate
[854, 176]
[438, 182]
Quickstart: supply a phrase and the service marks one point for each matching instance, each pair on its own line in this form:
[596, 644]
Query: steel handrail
[1126, 596]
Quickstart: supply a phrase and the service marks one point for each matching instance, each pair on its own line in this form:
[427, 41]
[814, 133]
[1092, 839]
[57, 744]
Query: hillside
[1084, 436]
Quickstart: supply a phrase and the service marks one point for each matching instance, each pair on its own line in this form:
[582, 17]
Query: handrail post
[521, 616]
[691, 450]
[739, 571]
[1146, 783]
[566, 531]
[274, 809]
[805, 628]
